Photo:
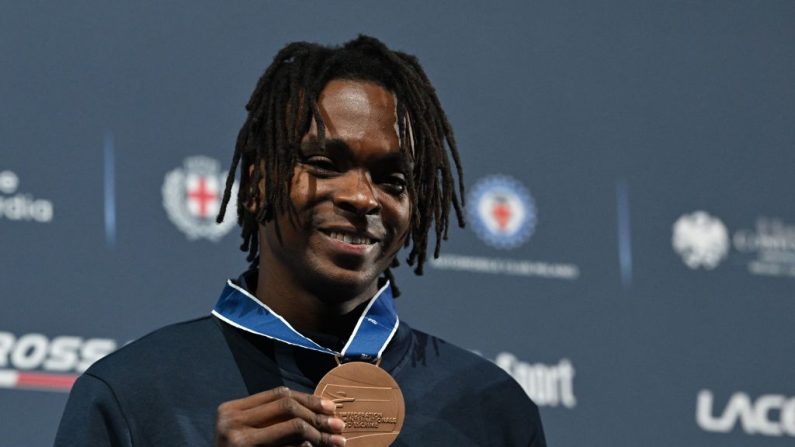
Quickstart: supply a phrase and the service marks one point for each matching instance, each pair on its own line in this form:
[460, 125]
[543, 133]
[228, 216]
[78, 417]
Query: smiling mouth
[348, 238]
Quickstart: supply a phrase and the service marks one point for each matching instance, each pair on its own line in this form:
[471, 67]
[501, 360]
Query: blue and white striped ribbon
[372, 333]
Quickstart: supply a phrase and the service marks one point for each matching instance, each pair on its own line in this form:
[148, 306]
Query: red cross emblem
[501, 211]
[202, 196]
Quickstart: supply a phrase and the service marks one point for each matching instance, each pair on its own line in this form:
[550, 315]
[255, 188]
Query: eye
[395, 184]
[320, 164]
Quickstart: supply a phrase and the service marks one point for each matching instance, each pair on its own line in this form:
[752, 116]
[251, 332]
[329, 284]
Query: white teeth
[350, 239]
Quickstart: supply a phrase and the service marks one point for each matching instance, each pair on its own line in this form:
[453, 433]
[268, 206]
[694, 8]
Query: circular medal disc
[368, 400]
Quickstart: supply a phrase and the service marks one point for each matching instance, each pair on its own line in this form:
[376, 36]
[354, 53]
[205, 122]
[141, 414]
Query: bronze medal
[368, 400]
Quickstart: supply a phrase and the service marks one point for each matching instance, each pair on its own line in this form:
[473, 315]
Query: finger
[315, 403]
[312, 402]
[256, 399]
[295, 431]
[290, 408]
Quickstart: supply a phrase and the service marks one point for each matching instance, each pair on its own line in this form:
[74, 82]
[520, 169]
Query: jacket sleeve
[538, 439]
[93, 417]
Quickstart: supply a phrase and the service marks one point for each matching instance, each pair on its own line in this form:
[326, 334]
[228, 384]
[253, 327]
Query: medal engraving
[368, 400]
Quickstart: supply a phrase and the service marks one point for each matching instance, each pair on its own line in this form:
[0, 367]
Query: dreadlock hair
[283, 107]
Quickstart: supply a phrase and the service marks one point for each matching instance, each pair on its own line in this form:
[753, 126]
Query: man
[343, 161]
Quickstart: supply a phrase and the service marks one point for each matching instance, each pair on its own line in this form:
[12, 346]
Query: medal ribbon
[372, 333]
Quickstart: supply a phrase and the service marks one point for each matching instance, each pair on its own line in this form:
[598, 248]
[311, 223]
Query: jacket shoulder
[174, 346]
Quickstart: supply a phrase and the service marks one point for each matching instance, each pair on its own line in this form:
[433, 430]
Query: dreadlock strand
[392, 283]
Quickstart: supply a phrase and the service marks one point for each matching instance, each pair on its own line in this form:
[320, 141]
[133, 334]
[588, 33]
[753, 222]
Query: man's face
[349, 194]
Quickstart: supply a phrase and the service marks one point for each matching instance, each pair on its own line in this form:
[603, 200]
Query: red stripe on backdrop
[46, 381]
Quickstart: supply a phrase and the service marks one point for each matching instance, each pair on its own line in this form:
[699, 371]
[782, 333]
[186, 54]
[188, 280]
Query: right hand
[278, 417]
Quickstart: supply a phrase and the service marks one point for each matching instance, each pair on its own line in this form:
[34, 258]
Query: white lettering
[704, 414]
[24, 207]
[7, 340]
[754, 417]
[770, 235]
[63, 354]
[547, 385]
[8, 182]
[21, 206]
[30, 351]
[762, 410]
[788, 417]
[506, 266]
[567, 383]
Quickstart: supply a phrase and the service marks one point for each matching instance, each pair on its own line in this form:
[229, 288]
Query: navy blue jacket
[164, 389]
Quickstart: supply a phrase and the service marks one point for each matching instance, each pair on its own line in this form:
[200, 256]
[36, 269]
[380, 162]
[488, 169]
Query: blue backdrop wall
[630, 258]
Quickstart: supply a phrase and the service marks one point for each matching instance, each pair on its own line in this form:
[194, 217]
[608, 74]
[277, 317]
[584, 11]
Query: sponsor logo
[35, 361]
[192, 197]
[701, 240]
[502, 212]
[547, 385]
[704, 241]
[767, 415]
[18, 206]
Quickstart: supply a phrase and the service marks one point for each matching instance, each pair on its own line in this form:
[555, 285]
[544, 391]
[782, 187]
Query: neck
[319, 309]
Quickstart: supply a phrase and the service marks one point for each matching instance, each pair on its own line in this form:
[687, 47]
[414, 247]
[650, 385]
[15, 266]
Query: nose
[355, 193]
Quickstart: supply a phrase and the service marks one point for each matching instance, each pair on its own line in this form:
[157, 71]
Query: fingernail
[338, 440]
[328, 405]
[336, 424]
